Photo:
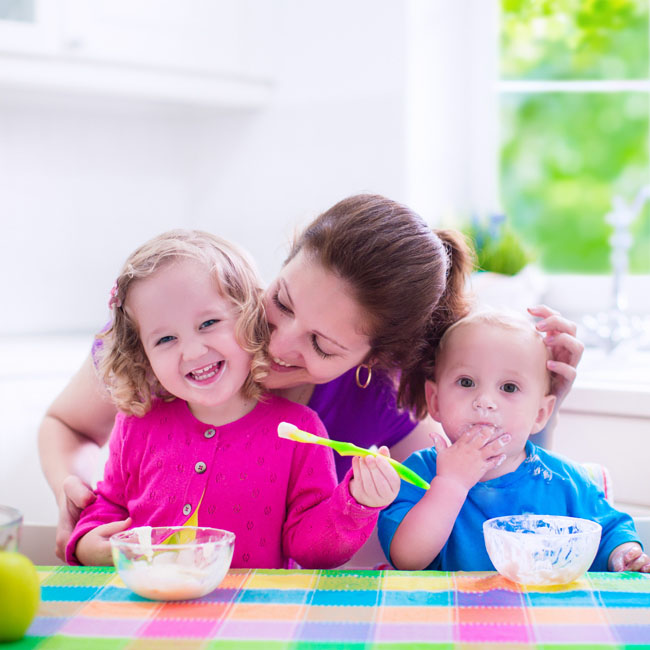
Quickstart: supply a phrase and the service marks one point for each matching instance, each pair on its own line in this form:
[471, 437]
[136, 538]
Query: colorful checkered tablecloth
[90, 608]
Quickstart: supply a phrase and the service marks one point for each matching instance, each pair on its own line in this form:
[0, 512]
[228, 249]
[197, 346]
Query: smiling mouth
[207, 372]
[282, 364]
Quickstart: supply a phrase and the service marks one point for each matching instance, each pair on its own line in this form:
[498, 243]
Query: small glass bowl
[172, 562]
[10, 522]
[541, 549]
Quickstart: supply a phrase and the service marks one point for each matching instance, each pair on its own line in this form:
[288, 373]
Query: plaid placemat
[88, 608]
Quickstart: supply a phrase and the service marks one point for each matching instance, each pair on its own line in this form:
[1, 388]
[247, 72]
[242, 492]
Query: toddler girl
[490, 389]
[196, 439]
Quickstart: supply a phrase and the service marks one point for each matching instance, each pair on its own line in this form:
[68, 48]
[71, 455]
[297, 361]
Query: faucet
[614, 326]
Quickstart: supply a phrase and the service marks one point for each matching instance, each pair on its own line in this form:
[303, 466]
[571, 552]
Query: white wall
[84, 181]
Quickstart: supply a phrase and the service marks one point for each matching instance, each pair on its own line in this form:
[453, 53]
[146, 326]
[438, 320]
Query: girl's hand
[466, 461]
[375, 482]
[565, 348]
[75, 497]
[94, 549]
[629, 557]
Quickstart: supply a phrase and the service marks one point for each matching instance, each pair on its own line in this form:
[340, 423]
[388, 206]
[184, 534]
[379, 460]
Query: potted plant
[505, 275]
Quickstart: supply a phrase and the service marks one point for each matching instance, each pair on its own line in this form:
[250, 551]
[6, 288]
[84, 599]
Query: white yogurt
[166, 579]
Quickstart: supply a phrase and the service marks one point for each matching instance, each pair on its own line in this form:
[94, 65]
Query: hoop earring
[368, 378]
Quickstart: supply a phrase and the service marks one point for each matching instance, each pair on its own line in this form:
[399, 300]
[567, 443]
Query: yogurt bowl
[541, 549]
[172, 562]
[10, 523]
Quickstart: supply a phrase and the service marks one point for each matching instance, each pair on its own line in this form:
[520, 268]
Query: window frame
[453, 142]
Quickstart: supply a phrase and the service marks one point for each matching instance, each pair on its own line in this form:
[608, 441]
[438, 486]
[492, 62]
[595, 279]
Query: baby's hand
[629, 557]
[375, 482]
[468, 459]
[94, 549]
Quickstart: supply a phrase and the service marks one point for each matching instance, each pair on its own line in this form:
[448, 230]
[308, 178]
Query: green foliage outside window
[565, 155]
[574, 39]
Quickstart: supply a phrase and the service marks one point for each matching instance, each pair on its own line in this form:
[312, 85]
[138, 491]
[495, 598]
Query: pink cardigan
[279, 497]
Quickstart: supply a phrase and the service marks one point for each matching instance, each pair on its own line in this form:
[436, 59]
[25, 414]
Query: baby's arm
[629, 557]
[375, 483]
[426, 527]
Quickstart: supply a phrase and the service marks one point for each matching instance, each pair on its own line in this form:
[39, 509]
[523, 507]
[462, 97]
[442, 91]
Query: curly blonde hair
[121, 360]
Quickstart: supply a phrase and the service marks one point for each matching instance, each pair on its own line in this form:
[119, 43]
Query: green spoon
[291, 432]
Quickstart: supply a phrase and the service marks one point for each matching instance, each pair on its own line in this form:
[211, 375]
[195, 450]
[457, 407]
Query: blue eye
[509, 388]
[207, 323]
[165, 339]
[466, 382]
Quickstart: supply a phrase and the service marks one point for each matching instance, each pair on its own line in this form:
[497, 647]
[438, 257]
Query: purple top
[363, 416]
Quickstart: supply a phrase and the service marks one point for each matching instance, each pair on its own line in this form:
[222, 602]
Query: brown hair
[408, 279]
[121, 359]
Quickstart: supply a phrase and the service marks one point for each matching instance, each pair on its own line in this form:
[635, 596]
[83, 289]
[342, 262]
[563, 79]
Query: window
[574, 107]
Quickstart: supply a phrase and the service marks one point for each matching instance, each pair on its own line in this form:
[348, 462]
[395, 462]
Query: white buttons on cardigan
[200, 467]
[209, 433]
[187, 509]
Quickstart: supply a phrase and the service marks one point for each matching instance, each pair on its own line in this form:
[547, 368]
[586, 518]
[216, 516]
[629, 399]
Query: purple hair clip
[114, 301]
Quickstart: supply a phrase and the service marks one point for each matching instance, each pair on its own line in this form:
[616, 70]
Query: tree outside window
[574, 110]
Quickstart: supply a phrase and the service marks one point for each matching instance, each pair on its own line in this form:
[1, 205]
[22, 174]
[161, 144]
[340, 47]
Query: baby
[491, 391]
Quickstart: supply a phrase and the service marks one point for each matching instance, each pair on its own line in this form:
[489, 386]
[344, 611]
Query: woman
[364, 281]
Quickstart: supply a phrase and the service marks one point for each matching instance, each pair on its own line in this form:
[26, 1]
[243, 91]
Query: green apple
[20, 594]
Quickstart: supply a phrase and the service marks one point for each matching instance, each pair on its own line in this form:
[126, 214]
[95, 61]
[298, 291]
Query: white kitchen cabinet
[29, 27]
[214, 52]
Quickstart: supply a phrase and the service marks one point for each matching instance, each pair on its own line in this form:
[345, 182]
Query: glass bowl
[10, 523]
[172, 562]
[541, 549]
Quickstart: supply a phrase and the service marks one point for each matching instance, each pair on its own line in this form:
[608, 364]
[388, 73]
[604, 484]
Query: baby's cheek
[454, 429]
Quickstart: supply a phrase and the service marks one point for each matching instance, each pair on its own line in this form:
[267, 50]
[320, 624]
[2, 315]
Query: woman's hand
[375, 482]
[629, 557]
[75, 497]
[565, 348]
[94, 548]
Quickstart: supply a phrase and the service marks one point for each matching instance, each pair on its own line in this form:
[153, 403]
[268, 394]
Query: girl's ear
[431, 394]
[544, 413]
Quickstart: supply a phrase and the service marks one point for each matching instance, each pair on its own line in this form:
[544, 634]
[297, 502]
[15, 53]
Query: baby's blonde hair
[121, 359]
[507, 320]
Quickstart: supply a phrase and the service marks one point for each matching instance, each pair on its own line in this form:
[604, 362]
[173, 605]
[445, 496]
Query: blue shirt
[544, 483]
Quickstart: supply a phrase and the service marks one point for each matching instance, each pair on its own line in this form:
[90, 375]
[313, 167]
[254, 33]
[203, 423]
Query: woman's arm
[76, 424]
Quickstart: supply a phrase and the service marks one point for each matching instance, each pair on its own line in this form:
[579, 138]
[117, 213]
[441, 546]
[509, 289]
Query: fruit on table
[20, 594]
